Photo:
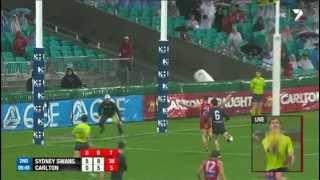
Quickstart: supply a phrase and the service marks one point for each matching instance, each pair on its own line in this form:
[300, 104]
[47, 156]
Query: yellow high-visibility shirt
[81, 132]
[257, 85]
[275, 160]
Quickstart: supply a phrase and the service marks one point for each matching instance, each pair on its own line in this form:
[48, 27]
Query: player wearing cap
[81, 133]
[212, 168]
[108, 109]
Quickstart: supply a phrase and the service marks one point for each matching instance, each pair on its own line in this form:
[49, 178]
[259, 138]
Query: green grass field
[151, 156]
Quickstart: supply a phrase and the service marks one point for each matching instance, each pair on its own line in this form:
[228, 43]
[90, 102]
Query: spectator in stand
[208, 8]
[284, 59]
[126, 51]
[124, 3]
[113, 3]
[234, 40]
[188, 7]
[192, 22]
[305, 63]
[288, 70]
[266, 8]
[185, 36]
[267, 59]
[19, 45]
[218, 19]
[4, 23]
[23, 22]
[314, 56]
[293, 62]
[173, 9]
[70, 80]
[205, 23]
[286, 34]
[226, 25]
[32, 39]
[259, 25]
[15, 24]
[237, 16]
[136, 4]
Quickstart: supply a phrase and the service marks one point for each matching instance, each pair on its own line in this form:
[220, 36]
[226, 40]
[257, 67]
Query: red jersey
[211, 169]
[204, 110]
[204, 115]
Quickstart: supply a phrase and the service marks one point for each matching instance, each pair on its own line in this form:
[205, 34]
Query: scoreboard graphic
[91, 160]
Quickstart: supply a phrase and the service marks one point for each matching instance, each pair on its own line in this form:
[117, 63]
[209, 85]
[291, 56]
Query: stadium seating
[55, 48]
[211, 39]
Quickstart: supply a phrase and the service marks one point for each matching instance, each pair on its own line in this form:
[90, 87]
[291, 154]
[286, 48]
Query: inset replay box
[277, 143]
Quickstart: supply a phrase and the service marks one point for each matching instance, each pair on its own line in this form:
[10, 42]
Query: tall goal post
[276, 65]
[163, 72]
[38, 73]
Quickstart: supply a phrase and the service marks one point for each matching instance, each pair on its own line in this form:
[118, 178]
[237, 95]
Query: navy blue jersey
[217, 116]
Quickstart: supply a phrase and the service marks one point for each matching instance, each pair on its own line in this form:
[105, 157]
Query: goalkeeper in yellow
[257, 86]
[279, 151]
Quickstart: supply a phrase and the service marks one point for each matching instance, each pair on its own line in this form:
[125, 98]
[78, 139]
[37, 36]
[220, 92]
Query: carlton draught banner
[186, 105]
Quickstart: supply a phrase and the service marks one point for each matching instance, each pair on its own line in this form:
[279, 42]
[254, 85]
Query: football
[230, 139]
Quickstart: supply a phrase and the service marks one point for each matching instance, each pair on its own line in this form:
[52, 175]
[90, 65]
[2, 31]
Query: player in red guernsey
[212, 168]
[205, 123]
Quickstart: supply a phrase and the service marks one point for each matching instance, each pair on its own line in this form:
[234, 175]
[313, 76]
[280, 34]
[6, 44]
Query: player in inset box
[278, 149]
[82, 134]
[212, 168]
[217, 116]
[108, 109]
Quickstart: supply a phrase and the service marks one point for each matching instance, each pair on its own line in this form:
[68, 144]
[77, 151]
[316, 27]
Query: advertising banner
[67, 112]
[186, 105]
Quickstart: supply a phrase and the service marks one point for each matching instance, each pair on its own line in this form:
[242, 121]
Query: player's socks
[120, 130]
[258, 112]
[217, 145]
[101, 128]
[252, 112]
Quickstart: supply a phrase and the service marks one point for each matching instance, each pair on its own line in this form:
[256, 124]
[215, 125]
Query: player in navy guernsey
[212, 168]
[217, 116]
[108, 109]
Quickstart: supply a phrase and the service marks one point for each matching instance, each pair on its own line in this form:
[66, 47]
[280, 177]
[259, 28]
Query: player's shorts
[114, 119]
[205, 124]
[218, 129]
[81, 145]
[283, 169]
[257, 97]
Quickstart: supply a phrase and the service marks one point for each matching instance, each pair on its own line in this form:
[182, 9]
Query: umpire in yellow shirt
[257, 86]
[278, 148]
[82, 134]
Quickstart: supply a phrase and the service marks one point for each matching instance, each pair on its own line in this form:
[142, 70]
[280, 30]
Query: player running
[257, 85]
[205, 123]
[212, 169]
[108, 109]
[217, 116]
[278, 149]
[82, 134]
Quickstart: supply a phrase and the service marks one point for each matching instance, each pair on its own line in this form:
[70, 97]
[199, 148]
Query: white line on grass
[66, 140]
